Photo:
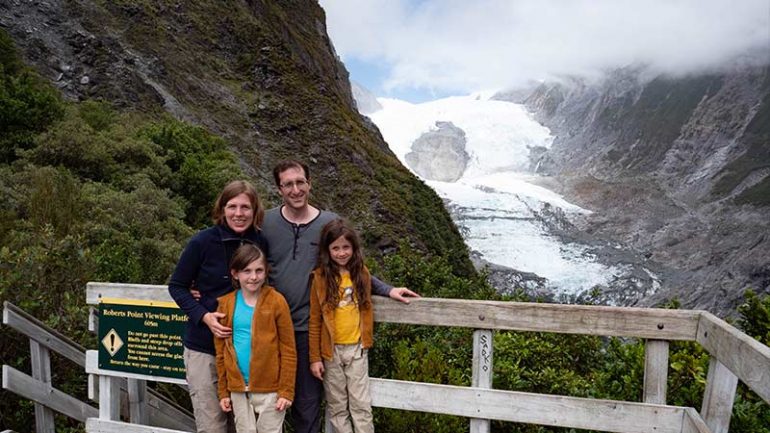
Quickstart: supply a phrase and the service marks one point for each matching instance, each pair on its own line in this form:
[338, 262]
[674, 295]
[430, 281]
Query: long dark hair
[330, 271]
[242, 257]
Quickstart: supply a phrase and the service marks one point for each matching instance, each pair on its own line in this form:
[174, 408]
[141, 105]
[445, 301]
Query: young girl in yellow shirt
[341, 328]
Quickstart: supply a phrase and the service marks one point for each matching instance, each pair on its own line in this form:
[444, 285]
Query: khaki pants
[346, 385]
[246, 404]
[202, 383]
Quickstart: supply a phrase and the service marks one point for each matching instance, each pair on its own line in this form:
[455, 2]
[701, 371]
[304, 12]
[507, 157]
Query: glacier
[498, 203]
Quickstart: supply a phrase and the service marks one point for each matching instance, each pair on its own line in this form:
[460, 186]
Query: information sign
[143, 337]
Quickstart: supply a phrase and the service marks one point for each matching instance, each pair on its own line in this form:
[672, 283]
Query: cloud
[463, 46]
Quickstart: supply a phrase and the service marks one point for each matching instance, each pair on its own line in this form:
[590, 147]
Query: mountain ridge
[677, 168]
[262, 75]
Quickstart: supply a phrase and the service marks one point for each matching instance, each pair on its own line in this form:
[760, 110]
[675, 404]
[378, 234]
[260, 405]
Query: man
[292, 231]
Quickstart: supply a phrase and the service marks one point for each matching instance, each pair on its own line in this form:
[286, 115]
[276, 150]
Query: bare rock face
[675, 168]
[440, 154]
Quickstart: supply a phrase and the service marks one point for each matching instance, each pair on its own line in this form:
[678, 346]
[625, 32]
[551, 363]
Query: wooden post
[40, 358]
[655, 371]
[109, 398]
[137, 401]
[719, 396]
[482, 371]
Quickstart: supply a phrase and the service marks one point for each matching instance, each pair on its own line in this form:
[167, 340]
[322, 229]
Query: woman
[204, 264]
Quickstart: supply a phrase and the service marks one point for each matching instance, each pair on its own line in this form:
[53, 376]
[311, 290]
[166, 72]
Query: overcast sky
[422, 49]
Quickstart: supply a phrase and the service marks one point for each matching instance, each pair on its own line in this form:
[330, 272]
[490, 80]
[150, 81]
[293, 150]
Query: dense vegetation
[90, 194]
[574, 365]
[95, 193]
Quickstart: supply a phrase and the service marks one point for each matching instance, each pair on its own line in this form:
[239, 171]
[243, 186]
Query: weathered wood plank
[149, 292]
[693, 423]
[719, 396]
[650, 323]
[744, 356]
[165, 413]
[109, 398]
[653, 323]
[94, 425]
[32, 389]
[550, 410]
[40, 362]
[655, 371]
[162, 412]
[481, 370]
[137, 401]
[22, 322]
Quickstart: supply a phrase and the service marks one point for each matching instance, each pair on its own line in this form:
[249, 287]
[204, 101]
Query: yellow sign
[112, 342]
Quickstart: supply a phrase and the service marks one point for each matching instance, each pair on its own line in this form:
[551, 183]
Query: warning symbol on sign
[112, 342]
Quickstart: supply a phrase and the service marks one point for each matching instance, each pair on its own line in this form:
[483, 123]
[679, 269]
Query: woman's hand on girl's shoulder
[212, 321]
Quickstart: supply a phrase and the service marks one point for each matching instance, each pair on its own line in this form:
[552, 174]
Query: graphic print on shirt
[347, 296]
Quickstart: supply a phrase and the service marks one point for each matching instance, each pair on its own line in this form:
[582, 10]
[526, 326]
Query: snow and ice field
[498, 203]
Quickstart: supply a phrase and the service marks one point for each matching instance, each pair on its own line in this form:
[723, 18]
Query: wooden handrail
[734, 356]
[653, 323]
[163, 411]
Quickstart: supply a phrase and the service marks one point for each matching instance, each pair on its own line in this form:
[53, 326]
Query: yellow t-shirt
[347, 319]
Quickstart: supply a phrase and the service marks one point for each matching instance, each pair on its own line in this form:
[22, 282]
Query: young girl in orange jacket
[256, 366]
[341, 328]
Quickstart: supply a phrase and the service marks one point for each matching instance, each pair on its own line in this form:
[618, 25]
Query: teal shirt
[242, 334]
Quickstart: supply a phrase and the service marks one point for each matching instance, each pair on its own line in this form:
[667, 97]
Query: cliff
[261, 74]
[678, 168]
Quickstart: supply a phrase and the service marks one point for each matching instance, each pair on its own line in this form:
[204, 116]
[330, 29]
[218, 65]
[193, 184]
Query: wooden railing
[38, 386]
[734, 357]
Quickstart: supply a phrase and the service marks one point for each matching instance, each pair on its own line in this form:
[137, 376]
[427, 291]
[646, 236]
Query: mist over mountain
[674, 169]
[677, 168]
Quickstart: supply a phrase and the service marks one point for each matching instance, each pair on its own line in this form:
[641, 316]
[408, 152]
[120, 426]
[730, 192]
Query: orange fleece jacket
[273, 362]
[321, 327]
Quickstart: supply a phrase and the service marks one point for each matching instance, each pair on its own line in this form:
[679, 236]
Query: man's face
[294, 188]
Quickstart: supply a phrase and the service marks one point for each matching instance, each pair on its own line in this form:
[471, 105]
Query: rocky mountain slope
[678, 168]
[261, 74]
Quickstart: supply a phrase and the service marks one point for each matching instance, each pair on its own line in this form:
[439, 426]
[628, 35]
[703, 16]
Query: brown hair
[232, 190]
[243, 256]
[330, 271]
[287, 164]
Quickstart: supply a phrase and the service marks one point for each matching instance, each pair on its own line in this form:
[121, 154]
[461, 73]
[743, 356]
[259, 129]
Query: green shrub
[28, 103]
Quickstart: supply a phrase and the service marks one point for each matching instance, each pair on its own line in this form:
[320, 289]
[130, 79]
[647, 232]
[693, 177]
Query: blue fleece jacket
[204, 263]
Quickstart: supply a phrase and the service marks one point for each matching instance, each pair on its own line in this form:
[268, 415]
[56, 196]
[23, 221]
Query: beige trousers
[247, 404]
[202, 384]
[346, 385]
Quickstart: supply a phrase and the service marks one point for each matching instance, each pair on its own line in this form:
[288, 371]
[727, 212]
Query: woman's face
[239, 213]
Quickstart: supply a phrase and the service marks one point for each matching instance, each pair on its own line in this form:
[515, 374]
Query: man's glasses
[300, 184]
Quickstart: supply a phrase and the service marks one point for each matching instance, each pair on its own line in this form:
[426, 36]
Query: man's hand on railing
[402, 294]
[219, 330]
